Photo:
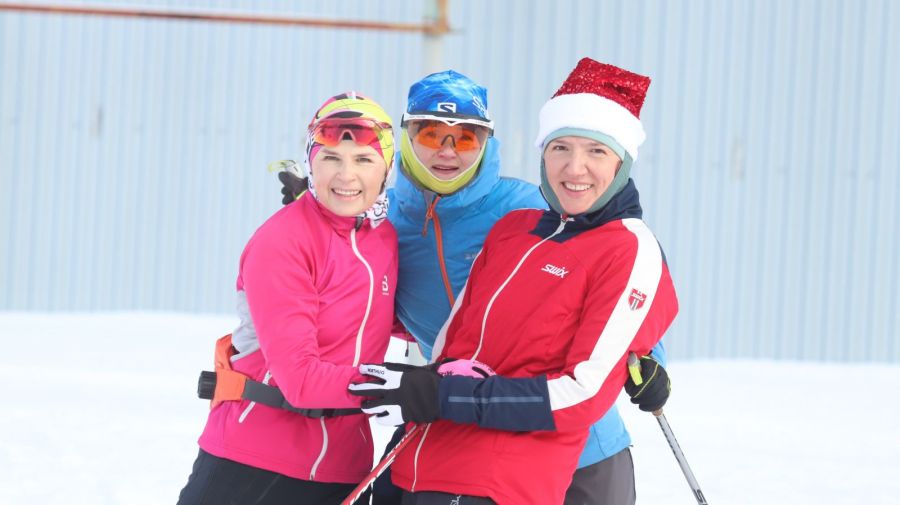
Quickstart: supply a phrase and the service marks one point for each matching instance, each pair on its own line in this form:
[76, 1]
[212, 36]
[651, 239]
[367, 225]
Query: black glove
[400, 393]
[293, 186]
[654, 389]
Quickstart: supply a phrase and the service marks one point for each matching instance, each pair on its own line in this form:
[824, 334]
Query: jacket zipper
[559, 229]
[487, 310]
[357, 352]
[431, 213]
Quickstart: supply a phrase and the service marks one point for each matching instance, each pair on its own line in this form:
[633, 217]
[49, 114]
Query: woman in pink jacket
[316, 299]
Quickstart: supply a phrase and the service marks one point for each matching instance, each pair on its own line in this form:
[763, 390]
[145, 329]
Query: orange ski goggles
[433, 134]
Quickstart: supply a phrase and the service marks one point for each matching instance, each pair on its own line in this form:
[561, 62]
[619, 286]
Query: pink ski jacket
[316, 298]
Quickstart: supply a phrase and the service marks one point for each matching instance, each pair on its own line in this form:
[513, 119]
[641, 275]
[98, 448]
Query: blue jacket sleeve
[520, 404]
[659, 353]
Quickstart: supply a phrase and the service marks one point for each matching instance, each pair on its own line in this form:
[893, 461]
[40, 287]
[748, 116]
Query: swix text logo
[555, 270]
[385, 288]
[447, 107]
[636, 299]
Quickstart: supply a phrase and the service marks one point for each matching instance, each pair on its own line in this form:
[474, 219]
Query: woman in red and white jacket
[316, 299]
[555, 302]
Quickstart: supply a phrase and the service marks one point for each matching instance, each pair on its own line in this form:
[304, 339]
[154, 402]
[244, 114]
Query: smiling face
[579, 170]
[444, 150]
[348, 177]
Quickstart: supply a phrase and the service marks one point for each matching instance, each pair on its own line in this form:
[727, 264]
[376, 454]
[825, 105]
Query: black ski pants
[433, 498]
[219, 481]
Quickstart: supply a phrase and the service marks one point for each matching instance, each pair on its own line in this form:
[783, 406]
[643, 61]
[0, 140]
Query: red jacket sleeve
[629, 305]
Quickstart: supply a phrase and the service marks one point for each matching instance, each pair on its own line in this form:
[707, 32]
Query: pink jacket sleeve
[276, 275]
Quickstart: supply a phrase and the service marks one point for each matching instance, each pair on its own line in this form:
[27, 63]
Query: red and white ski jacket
[316, 297]
[553, 306]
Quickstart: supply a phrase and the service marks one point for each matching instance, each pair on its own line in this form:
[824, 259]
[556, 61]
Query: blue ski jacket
[439, 238]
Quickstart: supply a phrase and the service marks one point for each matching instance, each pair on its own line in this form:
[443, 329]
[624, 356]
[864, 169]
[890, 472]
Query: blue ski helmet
[448, 95]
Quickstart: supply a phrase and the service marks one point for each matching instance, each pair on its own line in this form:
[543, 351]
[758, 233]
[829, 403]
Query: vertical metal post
[433, 41]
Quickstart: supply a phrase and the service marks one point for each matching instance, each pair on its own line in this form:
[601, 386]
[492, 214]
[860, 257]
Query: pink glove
[466, 368]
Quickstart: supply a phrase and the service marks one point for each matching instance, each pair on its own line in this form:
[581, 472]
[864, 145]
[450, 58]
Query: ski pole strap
[209, 387]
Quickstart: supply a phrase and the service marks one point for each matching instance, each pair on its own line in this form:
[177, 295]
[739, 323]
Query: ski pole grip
[634, 368]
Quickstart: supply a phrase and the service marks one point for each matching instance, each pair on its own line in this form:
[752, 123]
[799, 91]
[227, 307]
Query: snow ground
[101, 409]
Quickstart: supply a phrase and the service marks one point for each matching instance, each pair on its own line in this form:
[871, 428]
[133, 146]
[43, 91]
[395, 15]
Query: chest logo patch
[636, 299]
[555, 270]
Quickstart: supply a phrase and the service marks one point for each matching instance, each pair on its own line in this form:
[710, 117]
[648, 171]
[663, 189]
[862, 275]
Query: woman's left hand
[653, 391]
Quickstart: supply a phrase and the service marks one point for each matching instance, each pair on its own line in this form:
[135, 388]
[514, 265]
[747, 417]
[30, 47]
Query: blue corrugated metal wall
[132, 152]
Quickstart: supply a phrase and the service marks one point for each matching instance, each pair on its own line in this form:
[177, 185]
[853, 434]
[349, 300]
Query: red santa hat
[601, 98]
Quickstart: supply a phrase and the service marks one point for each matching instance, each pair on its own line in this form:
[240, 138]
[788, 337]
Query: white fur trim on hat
[591, 112]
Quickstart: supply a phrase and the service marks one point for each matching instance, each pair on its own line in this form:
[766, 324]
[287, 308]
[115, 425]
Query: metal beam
[437, 26]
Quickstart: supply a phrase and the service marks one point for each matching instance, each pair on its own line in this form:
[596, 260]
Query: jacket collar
[341, 224]
[413, 202]
[625, 204]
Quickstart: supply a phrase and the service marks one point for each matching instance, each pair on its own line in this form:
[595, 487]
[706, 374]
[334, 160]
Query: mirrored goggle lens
[331, 132]
[434, 135]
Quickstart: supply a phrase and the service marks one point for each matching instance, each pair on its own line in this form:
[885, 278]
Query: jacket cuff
[497, 402]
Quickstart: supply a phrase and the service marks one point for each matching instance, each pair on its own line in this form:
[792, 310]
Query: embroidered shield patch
[636, 299]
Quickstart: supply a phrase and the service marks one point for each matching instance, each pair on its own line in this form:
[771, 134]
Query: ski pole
[634, 368]
[380, 467]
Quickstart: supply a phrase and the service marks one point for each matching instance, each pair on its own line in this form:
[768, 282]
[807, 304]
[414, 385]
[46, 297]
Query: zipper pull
[562, 223]
[429, 214]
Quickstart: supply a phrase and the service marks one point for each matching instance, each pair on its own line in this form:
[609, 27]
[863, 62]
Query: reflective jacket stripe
[359, 334]
[416, 459]
[312, 473]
